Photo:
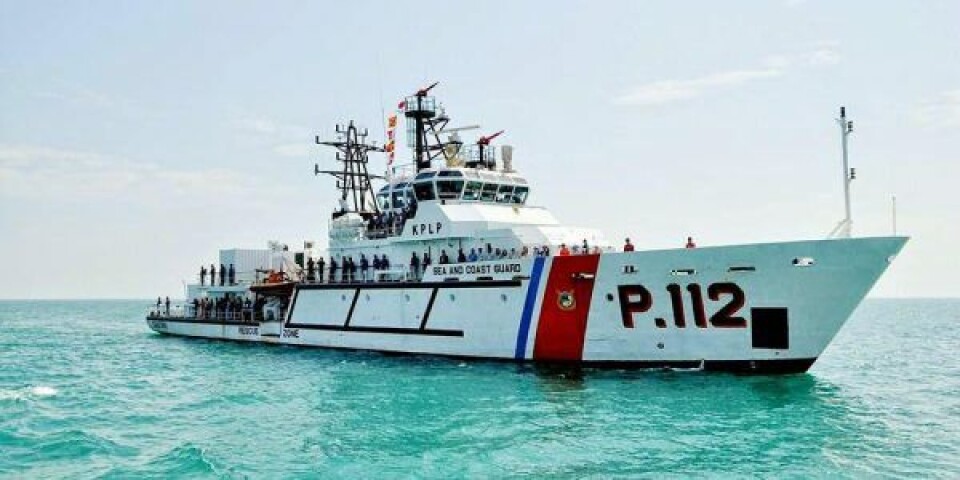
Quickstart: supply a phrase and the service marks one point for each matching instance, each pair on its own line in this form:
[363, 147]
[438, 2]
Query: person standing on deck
[564, 251]
[364, 267]
[233, 275]
[415, 265]
[203, 275]
[310, 266]
[223, 274]
[168, 306]
[213, 274]
[690, 243]
[627, 246]
[320, 269]
[333, 269]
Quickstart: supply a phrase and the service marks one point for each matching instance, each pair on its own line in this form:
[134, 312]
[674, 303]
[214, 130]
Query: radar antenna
[353, 180]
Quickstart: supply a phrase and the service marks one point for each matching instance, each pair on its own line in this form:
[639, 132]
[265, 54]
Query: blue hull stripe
[524, 332]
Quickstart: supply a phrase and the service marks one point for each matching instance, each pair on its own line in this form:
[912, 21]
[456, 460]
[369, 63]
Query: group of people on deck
[387, 224]
[228, 276]
[229, 307]
[348, 268]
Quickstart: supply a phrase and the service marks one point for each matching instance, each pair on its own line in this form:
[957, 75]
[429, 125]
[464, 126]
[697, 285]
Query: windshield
[472, 192]
[424, 191]
[520, 194]
[449, 188]
[504, 194]
[489, 192]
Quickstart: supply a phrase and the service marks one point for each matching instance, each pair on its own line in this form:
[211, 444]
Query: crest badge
[566, 300]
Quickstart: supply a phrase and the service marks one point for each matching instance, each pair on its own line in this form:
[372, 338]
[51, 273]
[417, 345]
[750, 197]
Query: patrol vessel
[448, 258]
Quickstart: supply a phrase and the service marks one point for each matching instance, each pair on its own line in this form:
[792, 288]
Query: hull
[764, 308]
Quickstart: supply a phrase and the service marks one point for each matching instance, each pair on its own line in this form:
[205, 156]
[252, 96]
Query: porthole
[453, 297]
[609, 297]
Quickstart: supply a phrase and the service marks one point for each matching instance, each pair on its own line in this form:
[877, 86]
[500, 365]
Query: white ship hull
[764, 308]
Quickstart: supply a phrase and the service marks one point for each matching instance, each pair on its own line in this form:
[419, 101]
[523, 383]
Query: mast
[353, 180]
[429, 120]
[843, 228]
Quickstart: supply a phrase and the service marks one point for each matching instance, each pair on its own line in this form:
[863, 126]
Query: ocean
[88, 391]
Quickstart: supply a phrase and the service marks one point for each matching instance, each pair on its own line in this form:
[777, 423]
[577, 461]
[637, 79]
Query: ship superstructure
[448, 258]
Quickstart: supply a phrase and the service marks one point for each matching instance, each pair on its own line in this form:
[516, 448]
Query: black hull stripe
[203, 321]
[426, 313]
[408, 285]
[353, 306]
[746, 367]
[429, 332]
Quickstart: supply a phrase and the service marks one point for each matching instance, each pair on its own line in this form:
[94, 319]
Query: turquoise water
[87, 391]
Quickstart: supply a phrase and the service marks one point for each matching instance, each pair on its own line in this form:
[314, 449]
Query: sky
[137, 138]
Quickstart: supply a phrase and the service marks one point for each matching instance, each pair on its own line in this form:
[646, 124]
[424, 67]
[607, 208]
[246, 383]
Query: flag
[401, 105]
[392, 121]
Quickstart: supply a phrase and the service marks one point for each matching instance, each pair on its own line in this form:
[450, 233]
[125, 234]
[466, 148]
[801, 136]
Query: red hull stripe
[562, 326]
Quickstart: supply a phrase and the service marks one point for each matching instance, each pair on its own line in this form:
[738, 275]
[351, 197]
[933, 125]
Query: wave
[185, 460]
[36, 391]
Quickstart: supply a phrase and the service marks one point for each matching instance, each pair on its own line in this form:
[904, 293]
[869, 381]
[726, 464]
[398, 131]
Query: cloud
[822, 57]
[267, 127]
[256, 125]
[302, 149]
[28, 171]
[666, 91]
[942, 112]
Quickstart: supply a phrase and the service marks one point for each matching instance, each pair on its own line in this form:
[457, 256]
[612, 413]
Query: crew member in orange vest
[690, 243]
[564, 251]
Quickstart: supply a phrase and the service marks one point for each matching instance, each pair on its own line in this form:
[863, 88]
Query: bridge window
[472, 192]
[424, 191]
[449, 188]
[489, 192]
[383, 200]
[520, 194]
[505, 193]
[398, 199]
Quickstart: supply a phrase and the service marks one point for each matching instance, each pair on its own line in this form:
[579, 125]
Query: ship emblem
[566, 301]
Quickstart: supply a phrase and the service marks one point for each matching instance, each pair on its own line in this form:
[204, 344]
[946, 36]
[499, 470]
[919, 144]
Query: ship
[445, 256]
